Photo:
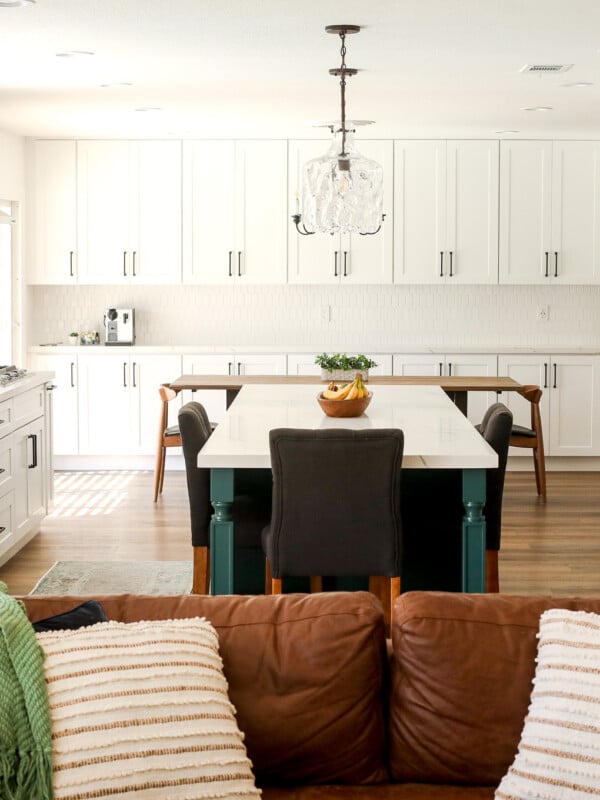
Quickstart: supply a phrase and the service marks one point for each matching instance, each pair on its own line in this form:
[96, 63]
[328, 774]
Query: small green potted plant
[342, 367]
[74, 338]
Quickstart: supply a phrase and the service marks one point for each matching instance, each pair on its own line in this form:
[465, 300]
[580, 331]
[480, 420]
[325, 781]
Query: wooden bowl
[344, 408]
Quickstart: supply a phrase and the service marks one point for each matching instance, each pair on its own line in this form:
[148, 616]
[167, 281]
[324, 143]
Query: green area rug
[116, 577]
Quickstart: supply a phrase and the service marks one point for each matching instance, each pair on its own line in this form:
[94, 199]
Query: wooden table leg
[222, 494]
[473, 544]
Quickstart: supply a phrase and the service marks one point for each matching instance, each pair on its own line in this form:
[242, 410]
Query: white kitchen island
[436, 435]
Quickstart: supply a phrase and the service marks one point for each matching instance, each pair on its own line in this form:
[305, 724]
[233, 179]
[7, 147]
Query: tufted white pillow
[141, 711]
[559, 751]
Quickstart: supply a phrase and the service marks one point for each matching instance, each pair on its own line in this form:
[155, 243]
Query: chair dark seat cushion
[173, 430]
[519, 430]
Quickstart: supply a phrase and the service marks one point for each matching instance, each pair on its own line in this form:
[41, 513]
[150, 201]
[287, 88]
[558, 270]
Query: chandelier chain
[343, 91]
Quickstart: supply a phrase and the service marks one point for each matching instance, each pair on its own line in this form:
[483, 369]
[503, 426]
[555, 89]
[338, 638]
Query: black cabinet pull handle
[2, 470]
[345, 261]
[71, 263]
[449, 368]
[2, 421]
[34, 463]
[124, 263]
[554, 386]
[72, 374]
[134, 383]
[441, 368]
[546, 254]
[229, 366]
[451, 256]
[239, 263]
[239, 368]
[335, 258]
[230, 269]
[441, 266]
[125, 374]
[133, 257]
[2, 529]
[555, 264]
[545, 375]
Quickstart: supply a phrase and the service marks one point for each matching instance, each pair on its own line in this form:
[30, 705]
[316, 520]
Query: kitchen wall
[12, 166]
[382, 318]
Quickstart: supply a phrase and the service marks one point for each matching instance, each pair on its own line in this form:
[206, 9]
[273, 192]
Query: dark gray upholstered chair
[252, 504]
[432, 514]
[336, 507]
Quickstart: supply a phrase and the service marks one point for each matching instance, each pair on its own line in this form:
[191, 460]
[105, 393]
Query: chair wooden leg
[316, 584]
[201, 579]
[160, 455]
[268, 577]
[387, 590]
[492, 582]
[162, 469]
[539, 464]
[276, 587]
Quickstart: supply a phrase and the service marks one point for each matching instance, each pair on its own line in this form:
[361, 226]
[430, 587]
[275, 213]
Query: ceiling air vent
[541, 69]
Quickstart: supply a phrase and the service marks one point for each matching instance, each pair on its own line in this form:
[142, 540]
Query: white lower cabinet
[65, 411]
[25, 485]
[452, 364]
[119, 405]
[214, 401]
[570, 404]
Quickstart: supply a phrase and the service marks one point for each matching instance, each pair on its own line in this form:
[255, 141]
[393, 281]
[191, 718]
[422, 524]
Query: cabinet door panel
[303, 364]
[576, 212]
[53, 255]
[310, 258]
[525, 211]
[528, 370]
[469, 365]
[575, 406]
[148, 372]
[29, 474]
[472, 212]
[103, 211]
[156, 216]
[419, 210]
[422, 364]
[213, 400]
[261, 365]
[261, 206]
[105, 424]
[209, 211]
[64, 400]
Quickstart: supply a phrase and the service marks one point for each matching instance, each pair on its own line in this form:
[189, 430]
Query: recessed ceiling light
[538, 108]
[74, 53]
[506, 131]
[116, 84]
[148, 108]
[577, 85]
[16, 3]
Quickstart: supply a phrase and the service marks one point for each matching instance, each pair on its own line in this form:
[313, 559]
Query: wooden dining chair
[532, 437]
[167, 437]
[336, 508]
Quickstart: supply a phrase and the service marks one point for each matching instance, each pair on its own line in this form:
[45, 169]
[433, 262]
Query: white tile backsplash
[380, 317]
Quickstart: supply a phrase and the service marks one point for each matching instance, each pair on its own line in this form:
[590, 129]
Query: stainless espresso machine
[119, 326]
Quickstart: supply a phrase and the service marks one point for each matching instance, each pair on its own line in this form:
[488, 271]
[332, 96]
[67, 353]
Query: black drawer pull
[555, 264]
[545, 375]
[451, 257]
[546, 254]
[230, 272]
[441, 263]
[34, 462]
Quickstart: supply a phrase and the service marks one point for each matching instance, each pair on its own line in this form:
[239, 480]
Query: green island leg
[222, 487]
[473, 531]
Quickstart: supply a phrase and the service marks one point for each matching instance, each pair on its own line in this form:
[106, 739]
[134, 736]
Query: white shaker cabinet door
[418, 364]
[213, 400]
[575, 406]
[148, 373]
[52, 180]
[532, 370]
[468, 365]
[105, 409]
[64, 399]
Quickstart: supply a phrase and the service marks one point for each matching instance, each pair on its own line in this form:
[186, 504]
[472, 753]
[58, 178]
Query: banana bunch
[350, 391]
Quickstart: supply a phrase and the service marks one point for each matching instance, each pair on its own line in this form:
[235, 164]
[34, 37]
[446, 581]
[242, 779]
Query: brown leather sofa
[330, 712]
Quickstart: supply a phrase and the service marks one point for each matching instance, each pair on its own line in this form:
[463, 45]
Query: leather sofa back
[462, 670]
[306, 673]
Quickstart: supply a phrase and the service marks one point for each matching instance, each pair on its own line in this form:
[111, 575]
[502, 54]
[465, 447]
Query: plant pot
[73, 340]
[344, 374]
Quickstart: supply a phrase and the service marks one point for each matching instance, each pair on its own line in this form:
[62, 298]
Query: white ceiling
[259, 68]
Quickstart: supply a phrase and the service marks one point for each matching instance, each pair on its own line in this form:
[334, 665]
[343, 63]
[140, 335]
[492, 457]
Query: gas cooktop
[9, 374]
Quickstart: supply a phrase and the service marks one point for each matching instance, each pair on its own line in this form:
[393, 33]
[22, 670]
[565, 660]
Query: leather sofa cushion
[306, 674]
[390, 791]
[461, 682]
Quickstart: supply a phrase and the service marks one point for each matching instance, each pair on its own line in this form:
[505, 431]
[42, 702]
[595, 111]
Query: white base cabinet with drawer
[25, 479]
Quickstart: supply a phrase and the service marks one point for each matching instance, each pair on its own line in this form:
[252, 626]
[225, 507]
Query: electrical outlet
[543, 313]
[325, 313]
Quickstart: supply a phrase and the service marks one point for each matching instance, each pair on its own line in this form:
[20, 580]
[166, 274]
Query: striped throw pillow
[141, 710]
[559, 752]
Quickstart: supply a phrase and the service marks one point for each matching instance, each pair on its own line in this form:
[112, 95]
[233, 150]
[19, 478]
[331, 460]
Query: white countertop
[60, 349]
[29, 381]
[436, 434]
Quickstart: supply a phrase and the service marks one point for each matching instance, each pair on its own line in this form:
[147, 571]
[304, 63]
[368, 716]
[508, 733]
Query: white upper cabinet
[52, 184]
[446, 212]
[549, 218]
[341, 258]
[235, 201]
[129, 211]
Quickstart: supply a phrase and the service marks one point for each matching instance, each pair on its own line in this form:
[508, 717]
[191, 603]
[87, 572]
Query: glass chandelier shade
[342, 190]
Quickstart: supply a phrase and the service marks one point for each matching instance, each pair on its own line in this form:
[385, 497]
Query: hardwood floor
[551, 548]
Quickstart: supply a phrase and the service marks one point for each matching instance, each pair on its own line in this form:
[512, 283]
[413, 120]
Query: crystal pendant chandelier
[342, 191]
